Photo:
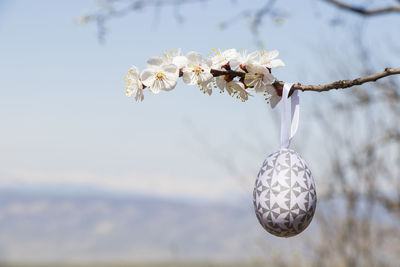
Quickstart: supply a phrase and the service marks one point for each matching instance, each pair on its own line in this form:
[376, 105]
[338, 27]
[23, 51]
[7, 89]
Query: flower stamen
[197, 69]
[160, 76]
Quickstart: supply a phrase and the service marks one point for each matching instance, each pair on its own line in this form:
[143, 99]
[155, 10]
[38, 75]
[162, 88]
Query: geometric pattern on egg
[284, 195]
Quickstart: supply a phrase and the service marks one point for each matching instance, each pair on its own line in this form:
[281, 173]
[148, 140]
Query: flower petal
[221, 82]
[180, 61]
[179, 52]
[207, 86]
[275, 63]
[204, 77]
[253, 56]
[260, 87]
[147, 77]
[256, 69]
[154, 61]
[229, 87]
[189, 78]
[243, 95]
[134, 71]
[218, 61]
[271, 54]
[171, 68]
[274, 99]
[170, 82]
[234, 63]
[230, 53]
[139, 96]
[268, 78]
[157, 86]
[207, 62]
[194, 57]
[238, 86]
[129, 91]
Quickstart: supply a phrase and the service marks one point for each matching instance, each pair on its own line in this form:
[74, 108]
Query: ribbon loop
[287, 136]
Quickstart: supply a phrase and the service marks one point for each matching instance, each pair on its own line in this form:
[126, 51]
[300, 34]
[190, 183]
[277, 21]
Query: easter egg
[284, 194]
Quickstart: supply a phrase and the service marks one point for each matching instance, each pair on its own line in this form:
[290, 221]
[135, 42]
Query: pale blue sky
[66, 121]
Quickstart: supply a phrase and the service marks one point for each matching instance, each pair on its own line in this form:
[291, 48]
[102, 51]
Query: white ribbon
[286, 137]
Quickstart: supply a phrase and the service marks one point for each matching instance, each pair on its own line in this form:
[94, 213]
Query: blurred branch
[390, 204]
[258, 17]
[342, 84]
[363, 11]
[109, 11]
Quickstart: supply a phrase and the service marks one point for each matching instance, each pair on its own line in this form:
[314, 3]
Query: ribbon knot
[287, 136]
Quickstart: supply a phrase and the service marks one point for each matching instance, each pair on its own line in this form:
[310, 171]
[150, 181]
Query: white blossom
[158, 76]
[134, 84]
[243, 59]
[274, 97]
[176, 58]
[139, 96]
[259, 78]
[179, 59]
[268, 60]
[197, 70]
[221, 82]
[239, 88]
[222, 58]
[223, 85]
[162, 73]
[206, 87]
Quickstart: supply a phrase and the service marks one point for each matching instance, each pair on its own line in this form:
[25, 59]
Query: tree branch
[363, 11]
[342, 84]
[110, 9]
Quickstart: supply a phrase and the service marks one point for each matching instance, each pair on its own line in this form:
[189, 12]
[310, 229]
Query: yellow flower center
[197, 69]
[160, 76]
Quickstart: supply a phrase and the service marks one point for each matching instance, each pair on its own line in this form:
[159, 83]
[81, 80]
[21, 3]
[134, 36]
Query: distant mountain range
[46, 226]
[88, 225]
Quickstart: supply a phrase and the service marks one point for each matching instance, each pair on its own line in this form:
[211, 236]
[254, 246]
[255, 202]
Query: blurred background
[89, 177]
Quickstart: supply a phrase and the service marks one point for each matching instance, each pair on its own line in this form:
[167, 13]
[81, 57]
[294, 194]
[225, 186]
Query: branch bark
[342, 84]
[363, 11]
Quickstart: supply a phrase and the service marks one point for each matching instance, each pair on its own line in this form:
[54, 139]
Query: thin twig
[108, 11]
[363, 11]
[342, 84]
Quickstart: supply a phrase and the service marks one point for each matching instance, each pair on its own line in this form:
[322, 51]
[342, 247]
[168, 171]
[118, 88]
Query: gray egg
[284, 194]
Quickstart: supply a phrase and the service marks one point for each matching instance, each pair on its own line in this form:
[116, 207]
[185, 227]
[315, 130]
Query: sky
[66, 123]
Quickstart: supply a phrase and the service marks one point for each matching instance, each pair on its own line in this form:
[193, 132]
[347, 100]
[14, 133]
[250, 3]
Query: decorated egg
[284, 194]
